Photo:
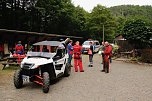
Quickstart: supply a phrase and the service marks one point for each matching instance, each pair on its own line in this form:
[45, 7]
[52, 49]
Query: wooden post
[103, 33]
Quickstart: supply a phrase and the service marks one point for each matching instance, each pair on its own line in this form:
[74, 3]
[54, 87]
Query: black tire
[67, 70]
[18, 81]
[46, 82]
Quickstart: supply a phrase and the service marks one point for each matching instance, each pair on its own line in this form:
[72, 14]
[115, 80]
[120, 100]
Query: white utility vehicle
[42, 67]
[86, 45]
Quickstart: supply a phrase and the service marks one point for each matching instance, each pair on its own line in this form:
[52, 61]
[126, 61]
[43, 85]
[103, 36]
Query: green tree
[132, 12]
[120, 21]
[138, 32]
[79, 21]
[14, 14]
[99, 17]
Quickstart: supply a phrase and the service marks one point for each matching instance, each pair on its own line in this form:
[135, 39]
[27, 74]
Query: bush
[146, 55]
[115, 50]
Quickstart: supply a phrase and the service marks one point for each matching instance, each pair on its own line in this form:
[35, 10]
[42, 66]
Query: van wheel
[67, 70]
[46, 82]
[18, 81]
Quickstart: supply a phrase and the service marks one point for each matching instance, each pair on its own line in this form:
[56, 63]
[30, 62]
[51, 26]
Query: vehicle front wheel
[18, 81]
[46, 82]
[67, 70]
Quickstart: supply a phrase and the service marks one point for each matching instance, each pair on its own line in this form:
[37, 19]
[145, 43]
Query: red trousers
[78, 62]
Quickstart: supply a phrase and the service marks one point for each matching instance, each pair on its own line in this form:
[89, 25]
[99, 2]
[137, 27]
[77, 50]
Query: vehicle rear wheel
[46, 82]
[67, 70]
[18, 81]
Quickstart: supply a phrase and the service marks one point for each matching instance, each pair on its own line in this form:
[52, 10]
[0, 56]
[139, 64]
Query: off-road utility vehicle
[41, 66]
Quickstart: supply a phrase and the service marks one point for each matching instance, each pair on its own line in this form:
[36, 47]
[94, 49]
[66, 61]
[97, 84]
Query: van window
[86, 43]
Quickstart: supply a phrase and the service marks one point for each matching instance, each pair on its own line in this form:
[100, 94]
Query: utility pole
[103, 33]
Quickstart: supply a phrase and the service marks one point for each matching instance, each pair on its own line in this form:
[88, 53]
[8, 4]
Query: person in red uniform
[107, 53]
[19, 48]
[77, 57]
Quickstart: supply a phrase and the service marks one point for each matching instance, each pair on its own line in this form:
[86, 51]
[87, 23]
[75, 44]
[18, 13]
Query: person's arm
[91, 48]
[70, 47]
[81, 50]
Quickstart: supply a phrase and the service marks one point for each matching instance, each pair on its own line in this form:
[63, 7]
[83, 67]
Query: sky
[88, 5]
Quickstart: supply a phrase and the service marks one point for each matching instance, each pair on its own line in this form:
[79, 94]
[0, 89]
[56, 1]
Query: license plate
[26, 78]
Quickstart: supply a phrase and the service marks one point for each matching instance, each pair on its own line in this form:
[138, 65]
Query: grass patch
[12, 68]
[8, 70]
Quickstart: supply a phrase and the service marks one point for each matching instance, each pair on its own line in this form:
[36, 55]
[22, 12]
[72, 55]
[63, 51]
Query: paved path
[125, 82]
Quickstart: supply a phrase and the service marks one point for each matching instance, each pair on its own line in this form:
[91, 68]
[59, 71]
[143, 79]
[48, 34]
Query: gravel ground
[125, 82]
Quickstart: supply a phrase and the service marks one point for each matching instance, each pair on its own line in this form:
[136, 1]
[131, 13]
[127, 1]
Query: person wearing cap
[90, 53]
[19, 49]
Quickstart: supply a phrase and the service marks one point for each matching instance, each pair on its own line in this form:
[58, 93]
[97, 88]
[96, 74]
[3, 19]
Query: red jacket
[19, 48]
[77, 51]
[108, 50]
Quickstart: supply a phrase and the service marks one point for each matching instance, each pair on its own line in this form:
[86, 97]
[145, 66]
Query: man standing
[77, 57]
[106, 53]
[19, 48]
[70, 52]
[90, 52]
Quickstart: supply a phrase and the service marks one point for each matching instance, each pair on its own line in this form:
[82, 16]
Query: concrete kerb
[131, 61]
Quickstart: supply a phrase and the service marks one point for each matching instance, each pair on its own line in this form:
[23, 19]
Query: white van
[86, 45]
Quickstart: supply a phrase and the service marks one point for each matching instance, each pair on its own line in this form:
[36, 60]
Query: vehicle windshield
[44, 51]
[48, 49]
[40, 54]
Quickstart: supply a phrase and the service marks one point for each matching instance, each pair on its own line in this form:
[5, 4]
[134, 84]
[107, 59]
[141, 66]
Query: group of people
[76, 51]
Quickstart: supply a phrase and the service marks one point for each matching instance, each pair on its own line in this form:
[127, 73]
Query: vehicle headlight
[27, 65]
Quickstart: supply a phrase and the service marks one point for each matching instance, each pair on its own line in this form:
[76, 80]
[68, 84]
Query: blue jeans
[20, 52]
[70, 59]
[91, 59]
[110, 59]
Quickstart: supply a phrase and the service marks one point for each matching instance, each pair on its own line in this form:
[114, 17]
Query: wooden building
[9, 38]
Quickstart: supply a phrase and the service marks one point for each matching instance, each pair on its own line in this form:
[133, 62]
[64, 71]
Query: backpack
[89, 52]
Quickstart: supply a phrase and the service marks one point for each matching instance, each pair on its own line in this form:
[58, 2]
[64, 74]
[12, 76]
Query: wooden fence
[146, 55]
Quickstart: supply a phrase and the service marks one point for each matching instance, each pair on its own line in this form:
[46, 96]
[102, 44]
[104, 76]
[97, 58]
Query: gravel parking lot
[125, 82]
